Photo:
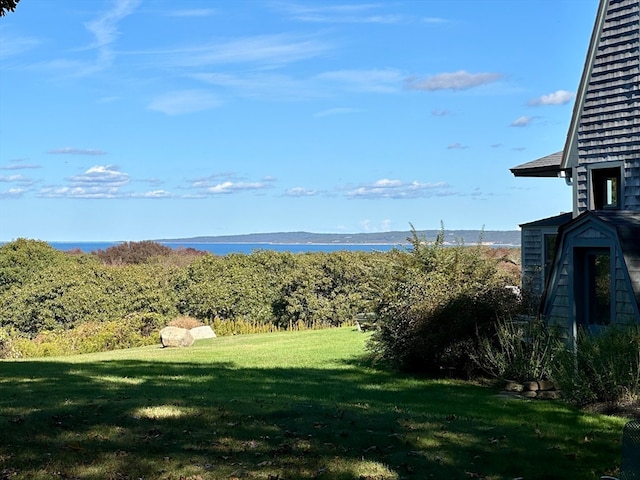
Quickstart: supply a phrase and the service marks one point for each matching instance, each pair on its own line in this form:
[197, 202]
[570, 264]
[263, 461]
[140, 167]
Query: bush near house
[436, 303]
[603, 368]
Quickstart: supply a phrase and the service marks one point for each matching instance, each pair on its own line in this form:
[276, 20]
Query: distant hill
[499, 237]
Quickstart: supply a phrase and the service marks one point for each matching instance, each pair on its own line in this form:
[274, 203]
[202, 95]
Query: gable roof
[606, 116]
[548, 166]
[626, 224]
[555, 221]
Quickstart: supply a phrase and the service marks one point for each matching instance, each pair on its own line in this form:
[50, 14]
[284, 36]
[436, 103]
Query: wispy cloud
[397, 189]
[152, 194]
[12, 193]
[457, 146]
[13, 45]
[335, 111]
[460, 80]
[301, 192]
[184, 101]
[76, 151]
[369, 226]
[559, 97]
[231, 187]
[523, 121]
[19, 164]
[224, 184]
[193, 12]
[260, 85]
[380, 81]
[105, 32]
[264, 50]
[18, 179]
[345, 13]
[105, 27]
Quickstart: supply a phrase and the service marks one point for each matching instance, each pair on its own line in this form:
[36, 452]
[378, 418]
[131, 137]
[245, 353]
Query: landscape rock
[514, 387]
[199, 333]
[176, 337]
[546, 385]
[531, 386]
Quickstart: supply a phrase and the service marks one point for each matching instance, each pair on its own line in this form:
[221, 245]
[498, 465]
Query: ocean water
[246, 248]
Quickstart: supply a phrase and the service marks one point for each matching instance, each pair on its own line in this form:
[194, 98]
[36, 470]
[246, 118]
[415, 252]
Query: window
[593, 286]
[549, 251]
[606, 188]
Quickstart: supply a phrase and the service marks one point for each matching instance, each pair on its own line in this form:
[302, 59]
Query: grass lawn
[300, 405]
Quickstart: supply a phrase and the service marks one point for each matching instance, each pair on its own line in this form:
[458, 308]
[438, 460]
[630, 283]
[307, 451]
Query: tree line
[429, 300]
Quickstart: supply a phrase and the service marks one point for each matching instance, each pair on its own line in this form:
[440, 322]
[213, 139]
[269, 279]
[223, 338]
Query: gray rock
[514, 387]
[202, 332]
[175, 337]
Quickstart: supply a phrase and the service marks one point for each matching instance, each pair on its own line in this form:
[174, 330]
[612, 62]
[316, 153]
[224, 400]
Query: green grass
[300, 405]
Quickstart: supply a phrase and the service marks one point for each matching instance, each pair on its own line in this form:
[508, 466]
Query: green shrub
[72, 292]
[519, 351]
[602, 368]
[435, 303]
[135, 330]
[7, 344]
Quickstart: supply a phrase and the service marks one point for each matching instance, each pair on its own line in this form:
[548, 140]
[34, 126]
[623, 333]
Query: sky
[147, 119]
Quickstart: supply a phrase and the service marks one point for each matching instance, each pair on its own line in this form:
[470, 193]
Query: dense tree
[7, 6]
[132, 252]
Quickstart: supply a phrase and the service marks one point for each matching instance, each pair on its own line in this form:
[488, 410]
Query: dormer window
[606, 188]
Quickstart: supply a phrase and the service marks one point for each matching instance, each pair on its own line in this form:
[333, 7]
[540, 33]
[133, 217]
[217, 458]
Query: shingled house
[585, 264]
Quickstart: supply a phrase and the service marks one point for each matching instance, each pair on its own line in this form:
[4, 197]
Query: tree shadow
[143, 419]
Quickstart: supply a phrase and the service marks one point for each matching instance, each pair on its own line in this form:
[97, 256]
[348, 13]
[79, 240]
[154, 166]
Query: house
[585, 264]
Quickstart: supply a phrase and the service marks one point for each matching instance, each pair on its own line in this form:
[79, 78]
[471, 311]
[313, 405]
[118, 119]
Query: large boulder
[176, 337]
[199, 333]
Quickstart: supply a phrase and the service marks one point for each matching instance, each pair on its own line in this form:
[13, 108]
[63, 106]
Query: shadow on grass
[126, 419]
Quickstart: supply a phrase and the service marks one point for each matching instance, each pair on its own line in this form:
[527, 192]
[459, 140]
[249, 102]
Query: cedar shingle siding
[609, 123]
[594, 278]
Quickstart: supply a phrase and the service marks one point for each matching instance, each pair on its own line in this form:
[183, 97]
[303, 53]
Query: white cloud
[559, 97]
[12, 193]
[300, 192]
[153, 194]
[231, 187]
[102, 176]
[105, 27]
[11, 46]
[345, 13]
[397, 189]
[184, 101]
[460, 80]
[262, 50]
[335, 111]
[18, 165]
[75, 151]
[105, 32]
[194, 12]
[375, 80]
[523, 121]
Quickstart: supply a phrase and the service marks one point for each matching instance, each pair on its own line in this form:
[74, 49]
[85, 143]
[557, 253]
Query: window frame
[598, 174]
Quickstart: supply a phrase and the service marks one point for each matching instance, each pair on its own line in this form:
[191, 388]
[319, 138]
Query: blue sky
[146, 119]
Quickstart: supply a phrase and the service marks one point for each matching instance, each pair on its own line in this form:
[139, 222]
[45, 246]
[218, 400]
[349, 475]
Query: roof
[626, 223]
[606, 113]
[548, 166]
[556, 221]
